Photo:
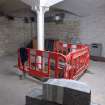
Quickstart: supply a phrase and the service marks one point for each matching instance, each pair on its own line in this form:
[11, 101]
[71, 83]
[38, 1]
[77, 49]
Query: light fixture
[57, 18]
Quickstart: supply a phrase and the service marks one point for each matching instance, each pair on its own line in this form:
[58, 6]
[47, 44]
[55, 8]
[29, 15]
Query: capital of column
[40, 8]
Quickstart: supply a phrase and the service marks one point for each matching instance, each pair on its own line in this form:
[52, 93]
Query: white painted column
[40, 6]
[40, 28]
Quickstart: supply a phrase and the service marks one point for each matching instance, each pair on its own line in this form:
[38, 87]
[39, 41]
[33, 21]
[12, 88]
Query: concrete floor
[95, 78]
[13, 90]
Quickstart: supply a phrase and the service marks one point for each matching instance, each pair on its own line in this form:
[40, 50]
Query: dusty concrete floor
[13, 90]
[95, 78]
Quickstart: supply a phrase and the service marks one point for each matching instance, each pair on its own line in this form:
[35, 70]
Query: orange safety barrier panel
[62, 63]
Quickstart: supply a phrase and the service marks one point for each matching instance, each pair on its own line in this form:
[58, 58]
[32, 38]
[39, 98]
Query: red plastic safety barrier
[46, 64]
[65, 48]
[76, 63]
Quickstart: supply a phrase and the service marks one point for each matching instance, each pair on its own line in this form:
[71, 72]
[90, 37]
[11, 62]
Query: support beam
[40, 28]
[49, 3]
[41, 7]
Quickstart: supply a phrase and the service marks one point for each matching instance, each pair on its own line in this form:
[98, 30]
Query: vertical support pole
[40, 28]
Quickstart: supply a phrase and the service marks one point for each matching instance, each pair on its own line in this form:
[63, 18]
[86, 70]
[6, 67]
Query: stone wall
[14, 33]
[63, 30]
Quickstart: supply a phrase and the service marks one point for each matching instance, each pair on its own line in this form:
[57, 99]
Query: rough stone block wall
[62, 30]
[13, 34]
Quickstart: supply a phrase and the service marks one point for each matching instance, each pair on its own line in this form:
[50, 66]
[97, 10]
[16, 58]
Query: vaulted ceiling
[80, 7]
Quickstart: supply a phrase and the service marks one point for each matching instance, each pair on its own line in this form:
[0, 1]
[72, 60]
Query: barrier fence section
[46, 64]
[65, 48]
[76, 63]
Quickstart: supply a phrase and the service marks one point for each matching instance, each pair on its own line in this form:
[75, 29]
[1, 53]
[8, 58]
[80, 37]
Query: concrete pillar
[40, 6]
[40, 28]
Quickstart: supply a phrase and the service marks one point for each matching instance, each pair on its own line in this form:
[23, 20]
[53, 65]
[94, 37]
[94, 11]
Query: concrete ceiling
[80, 7]
[83, 7]
[15, 8]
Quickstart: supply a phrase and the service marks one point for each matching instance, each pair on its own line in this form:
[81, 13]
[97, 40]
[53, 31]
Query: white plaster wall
[92, 29]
